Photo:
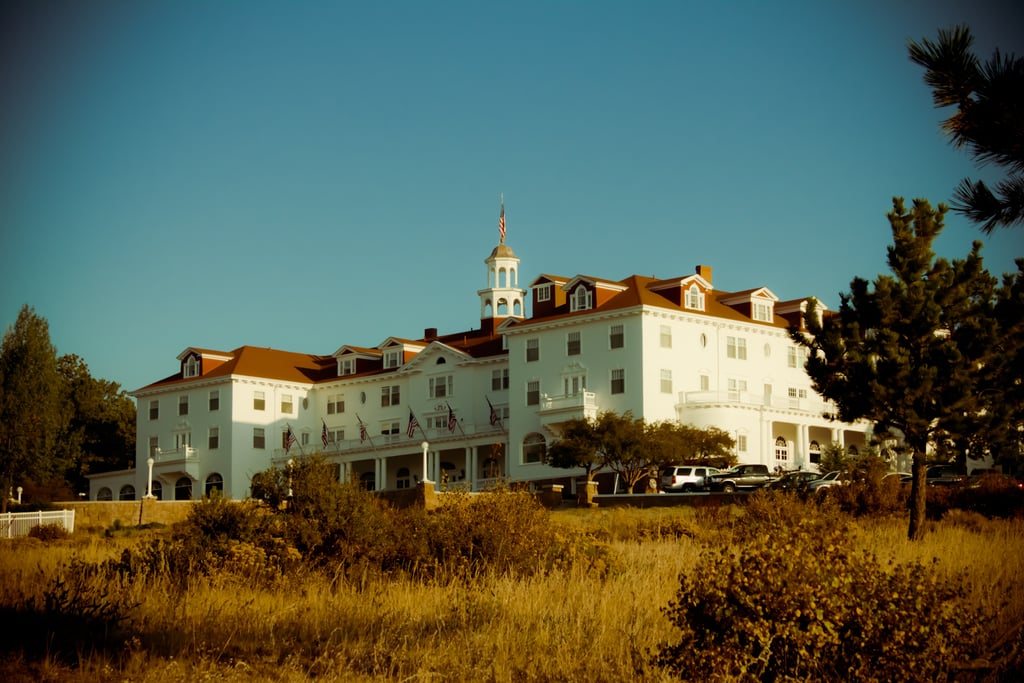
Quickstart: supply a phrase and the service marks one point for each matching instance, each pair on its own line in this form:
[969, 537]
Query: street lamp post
[425, 446]
[19, 494]
[149, 485]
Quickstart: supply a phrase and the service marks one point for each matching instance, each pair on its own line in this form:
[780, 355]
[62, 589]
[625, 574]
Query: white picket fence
[19, 523]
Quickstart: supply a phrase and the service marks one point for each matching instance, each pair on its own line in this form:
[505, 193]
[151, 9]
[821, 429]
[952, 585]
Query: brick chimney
[704, 272]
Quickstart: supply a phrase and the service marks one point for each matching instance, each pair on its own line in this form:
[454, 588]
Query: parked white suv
[686, 478]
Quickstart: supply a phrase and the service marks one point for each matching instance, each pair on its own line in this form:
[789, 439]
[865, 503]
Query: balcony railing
[435, 435]
[810, 404]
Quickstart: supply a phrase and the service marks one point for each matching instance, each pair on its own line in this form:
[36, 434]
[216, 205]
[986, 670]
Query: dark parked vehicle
[740, 477]
[794, 481]
[944, 475]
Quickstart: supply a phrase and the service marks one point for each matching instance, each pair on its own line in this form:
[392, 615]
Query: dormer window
[581, 299]
[543, 293]
[192, 367]
[392, 359]
[347, 366]
[762, 311]
[695, 298]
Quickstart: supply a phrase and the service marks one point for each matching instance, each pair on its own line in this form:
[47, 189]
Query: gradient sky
[312, 174]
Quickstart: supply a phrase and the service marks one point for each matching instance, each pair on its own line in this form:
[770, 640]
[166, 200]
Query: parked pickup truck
[740, 477]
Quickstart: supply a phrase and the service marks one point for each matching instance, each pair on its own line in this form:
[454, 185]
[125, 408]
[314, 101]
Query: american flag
[413, 424]
[362, 432]
[452, 422]
[501, 221]
[289, 440]
[323, 435]
[494, 413]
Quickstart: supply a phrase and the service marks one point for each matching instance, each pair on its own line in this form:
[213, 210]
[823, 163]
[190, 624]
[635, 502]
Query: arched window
[214, 482]
[815, 451]
[183, 489]
[127, 492]
[781, 449]
[852, 451]
[104, 494]
[502, 307]
[694, 298]
[580, 299]
[534, 447]
[157, 490]
[368, 481]
[402, 478]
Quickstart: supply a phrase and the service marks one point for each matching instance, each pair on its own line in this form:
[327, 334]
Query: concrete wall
[102, 514]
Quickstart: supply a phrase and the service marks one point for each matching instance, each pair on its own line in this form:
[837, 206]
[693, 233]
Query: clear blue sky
[307, 175]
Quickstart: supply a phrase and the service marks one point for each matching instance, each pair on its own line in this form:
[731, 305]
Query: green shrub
[793, 601]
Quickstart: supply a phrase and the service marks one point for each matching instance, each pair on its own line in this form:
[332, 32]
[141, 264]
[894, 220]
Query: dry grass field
[578, 621]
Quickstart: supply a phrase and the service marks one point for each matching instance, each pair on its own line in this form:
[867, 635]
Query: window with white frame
[286, 404]
[335, 404]
[441, 386]
[533, 393]
[347, 366]
[665, 337]
[154, 410]
[616, 338]
[581, 299]
[695, 298]
[534, 448]
[259, 438]
[389, 396]
[390, 428]
[741, 443]
[736, 388]
[183, 405]
[705, 382]
[192, 367]
[213, 440]
[499, 379]
[214, 400]
[618, 381]
[781, 449]
[335, 435]
[304, 438]
[154, 445]
[762, 311]
[574, 383]
[796, 356]
[736, 347]
[666, 381]
[403, 479]
[259, 400]
[393, 358]
[532, 350]
[543, 292]
[572, 344]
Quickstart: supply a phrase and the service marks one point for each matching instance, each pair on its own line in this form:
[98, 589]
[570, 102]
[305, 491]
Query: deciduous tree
[30, 403]
[908, 350]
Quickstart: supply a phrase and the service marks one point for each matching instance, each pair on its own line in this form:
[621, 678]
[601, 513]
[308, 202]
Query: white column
[471, 468]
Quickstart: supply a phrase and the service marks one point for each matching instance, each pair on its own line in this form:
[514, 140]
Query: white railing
[808, 404]
[20, 523]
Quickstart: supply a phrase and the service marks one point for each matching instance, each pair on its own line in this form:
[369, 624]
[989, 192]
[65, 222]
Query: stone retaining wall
[101, 514]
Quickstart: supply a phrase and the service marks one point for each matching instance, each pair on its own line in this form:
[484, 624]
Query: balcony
[813, 404]
[556, 410]
[437, 436]
[170, 464]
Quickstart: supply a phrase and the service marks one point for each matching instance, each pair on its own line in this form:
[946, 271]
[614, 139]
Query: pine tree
[908, 351]
[989, 120]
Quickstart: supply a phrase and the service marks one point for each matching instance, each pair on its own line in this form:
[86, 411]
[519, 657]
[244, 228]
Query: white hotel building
[665, 349]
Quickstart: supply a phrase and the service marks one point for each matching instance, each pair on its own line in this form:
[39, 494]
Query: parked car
[944, 475]
[686, 478]
[740, 477]
[827, 480]
[794, 481]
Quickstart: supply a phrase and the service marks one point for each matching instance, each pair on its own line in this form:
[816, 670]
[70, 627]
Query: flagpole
[367, 431]
[501, 425]
[451, 413]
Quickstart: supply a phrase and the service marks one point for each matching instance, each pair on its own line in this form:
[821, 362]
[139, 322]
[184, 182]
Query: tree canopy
[917, 352]
[30, 403]
[989, 120]
[633, 447]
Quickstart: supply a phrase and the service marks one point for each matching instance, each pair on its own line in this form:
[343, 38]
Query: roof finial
[501, 220]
